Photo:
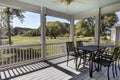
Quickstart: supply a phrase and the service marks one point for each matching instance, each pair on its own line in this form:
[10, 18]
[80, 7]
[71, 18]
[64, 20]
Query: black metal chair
[108, 55]
[107, 61]
[79, 43]
[71, 51]
[118, 62]
[80, 52]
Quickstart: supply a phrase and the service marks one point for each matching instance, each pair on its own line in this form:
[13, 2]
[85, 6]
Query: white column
[97, 27]
[0, 26]
[0, 34]
[43, 33]
[72, 29]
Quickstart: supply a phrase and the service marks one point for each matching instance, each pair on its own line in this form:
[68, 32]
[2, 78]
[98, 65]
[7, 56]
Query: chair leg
[119, 64]
[96, 68]
[113, 70]
[67, 59]
[91, 68]
[116, 68]
[84, 60]
[76, 63]
[100, 68]
[108, 73]
[79, 63]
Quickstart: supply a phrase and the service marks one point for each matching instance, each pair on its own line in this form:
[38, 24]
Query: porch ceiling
[74, 8]
[77, 9]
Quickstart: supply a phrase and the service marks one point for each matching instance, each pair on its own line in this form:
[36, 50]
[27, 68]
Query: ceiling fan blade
[56, 2]
[79, 1]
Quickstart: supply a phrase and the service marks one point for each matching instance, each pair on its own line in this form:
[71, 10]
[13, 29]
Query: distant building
[115, 34]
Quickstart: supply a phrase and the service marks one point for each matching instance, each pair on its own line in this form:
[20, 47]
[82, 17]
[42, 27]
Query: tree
[10, 13]
[54, 29]
[63, 28]
[85, 27]
[107, 21]
[34, 32]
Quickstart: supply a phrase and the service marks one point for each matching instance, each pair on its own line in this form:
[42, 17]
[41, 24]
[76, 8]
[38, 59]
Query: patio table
[109, 46]
[90, 49]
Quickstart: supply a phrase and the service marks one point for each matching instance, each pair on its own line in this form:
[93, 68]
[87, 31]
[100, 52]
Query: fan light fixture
[67, 2]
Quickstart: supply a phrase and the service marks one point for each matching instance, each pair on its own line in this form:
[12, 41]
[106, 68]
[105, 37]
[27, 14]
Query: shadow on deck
[54, 69]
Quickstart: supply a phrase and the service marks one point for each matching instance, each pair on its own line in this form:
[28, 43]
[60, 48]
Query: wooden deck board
[55, 69]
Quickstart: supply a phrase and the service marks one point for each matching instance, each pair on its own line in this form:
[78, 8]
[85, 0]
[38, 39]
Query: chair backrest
[70, 46]
[98, 53]
[79, 43]
[115, 54]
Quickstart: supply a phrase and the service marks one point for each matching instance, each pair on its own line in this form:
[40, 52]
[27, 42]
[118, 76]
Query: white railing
[54, 49]
[18, 54]
[10, 55]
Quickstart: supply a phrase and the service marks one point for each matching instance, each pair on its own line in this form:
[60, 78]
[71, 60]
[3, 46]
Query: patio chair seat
[103, 62]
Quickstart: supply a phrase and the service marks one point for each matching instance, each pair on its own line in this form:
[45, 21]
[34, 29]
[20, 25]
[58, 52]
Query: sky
[32, 20]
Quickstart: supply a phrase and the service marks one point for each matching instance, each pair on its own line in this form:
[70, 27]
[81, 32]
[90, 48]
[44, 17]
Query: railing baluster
[9, 53]
[6, 52]
[2, 57]
[17, 55]
[33, 53]
[20, 53]
[39, 54]
[23, 50]
[26, 53]
[13, 51]
[29, 53]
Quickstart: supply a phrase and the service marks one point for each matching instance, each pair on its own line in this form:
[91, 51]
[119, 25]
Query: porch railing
[54, 49]
[19, 54]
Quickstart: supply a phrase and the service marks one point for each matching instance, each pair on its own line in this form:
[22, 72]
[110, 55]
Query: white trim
[97, 27]
[57, 14]
[43, 33]
[86, 14]
[72, 28]
[37, 9]
[20, 5]
[110, 9]
[104, 10]
[32, 8]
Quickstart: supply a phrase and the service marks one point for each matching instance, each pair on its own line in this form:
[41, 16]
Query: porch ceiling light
[67, 2]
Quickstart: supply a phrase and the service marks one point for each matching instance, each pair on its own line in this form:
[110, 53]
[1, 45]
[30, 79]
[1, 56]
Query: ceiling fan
[67, 2]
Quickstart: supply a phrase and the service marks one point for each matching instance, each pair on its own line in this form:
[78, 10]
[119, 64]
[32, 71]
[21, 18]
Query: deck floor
[55, 69]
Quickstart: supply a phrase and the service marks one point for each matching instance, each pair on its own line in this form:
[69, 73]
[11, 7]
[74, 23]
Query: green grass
[25, 40]
[16, 40]
[36, 40]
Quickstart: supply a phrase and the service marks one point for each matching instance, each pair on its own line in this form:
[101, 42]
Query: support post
[97, 27]
[72, 28]
[0, 26]
[43, 33]
[0, 33]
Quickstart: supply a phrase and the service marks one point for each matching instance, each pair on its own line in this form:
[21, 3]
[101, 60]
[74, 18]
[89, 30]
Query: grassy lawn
[34, 40]
[25, 40]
